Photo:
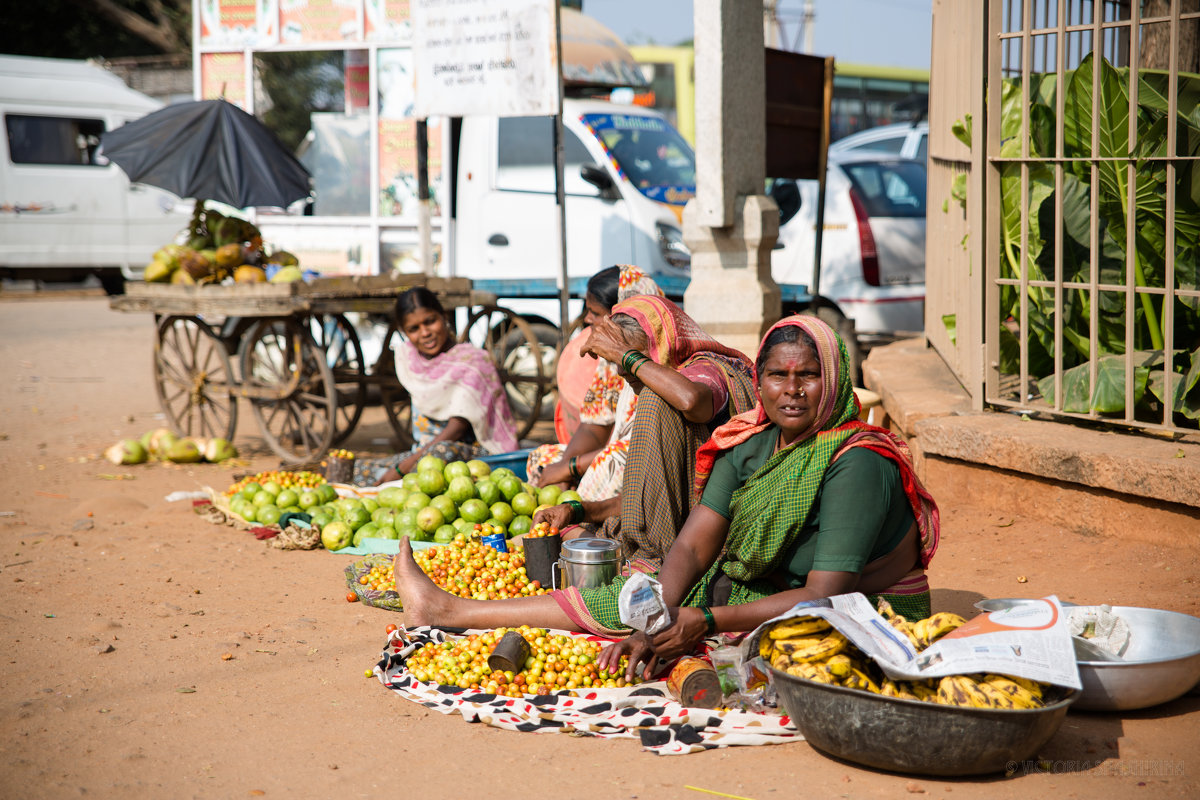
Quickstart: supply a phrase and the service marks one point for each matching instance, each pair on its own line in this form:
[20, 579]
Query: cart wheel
[526, 367]
[194, 379]
[336, 337]
[278, 355]
[395, 398]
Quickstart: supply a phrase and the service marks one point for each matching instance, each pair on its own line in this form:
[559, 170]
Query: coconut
[158, 272]
[184, 451]
[287, 275]
[127, 451]
[218, 450]
[161, 441]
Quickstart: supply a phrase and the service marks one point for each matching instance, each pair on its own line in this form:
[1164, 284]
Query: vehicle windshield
[650, 153]
[889, 188]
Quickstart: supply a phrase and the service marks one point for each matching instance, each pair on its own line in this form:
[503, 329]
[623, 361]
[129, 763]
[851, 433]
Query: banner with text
[487, 57]
[223, 75]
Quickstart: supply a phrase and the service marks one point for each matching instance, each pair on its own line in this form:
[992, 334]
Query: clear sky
[893, 33]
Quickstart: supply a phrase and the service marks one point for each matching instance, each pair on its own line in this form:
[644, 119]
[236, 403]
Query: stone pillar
[730, 226]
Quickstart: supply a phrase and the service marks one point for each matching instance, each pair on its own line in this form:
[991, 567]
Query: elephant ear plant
[1114, 195]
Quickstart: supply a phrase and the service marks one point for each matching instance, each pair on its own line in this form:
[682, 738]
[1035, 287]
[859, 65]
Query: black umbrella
[209, 150]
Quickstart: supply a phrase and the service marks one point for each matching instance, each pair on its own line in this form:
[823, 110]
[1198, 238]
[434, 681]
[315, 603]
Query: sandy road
[117, 609]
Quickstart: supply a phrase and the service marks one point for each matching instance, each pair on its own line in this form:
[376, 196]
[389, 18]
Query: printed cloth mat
[645, 711]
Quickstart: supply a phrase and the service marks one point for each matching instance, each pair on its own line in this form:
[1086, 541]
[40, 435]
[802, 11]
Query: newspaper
[1030, 640]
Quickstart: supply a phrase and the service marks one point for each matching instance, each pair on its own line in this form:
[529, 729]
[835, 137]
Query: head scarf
[633, 282]
[674, 336]
[770, 509]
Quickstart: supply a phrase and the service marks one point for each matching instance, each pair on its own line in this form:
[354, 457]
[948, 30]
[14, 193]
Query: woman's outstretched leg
[426, 604]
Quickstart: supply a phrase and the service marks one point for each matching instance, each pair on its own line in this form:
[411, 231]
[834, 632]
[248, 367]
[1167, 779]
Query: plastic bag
[389, 599]
[641, 605]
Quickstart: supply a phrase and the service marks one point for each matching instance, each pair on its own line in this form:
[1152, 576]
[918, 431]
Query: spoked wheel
[291, 389]
[397, 403]
[336, 337]
[526, 367]
[194, 379]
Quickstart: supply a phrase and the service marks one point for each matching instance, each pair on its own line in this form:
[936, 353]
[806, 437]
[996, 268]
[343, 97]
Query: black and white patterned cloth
[645, 711]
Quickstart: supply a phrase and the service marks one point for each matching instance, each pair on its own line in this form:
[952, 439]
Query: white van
[65, 212]
[628, 174]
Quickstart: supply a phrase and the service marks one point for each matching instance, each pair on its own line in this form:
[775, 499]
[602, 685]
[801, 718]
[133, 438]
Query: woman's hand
[686, 632]
[608, 340]
[636, 647]
[409, 464]
[558, 516]
[557, 472]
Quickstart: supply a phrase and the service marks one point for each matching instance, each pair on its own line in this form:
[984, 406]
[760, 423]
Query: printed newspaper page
[1030, 640]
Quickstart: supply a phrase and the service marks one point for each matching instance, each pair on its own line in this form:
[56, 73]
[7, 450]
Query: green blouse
[865, 518]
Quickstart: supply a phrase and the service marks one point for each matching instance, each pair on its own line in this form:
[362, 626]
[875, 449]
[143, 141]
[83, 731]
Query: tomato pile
[471, 569]
[281, 478]
[556, 663]
[541, 529]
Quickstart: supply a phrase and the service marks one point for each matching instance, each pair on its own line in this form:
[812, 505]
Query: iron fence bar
[1169, 233]
[1131, 258]
[1059, 152]
[1094, 220]
[1023, 268]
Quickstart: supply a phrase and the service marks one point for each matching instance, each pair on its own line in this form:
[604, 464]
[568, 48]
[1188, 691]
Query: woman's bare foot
[424, 603]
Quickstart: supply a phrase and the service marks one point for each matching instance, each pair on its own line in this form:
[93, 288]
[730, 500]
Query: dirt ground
[118, 610]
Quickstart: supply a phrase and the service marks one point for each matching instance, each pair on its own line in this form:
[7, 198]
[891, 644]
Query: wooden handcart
[292, 353]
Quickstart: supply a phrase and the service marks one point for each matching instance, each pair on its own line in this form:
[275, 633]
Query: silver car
[873, 252]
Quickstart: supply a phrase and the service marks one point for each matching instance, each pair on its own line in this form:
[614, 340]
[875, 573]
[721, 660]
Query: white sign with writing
[485, 57]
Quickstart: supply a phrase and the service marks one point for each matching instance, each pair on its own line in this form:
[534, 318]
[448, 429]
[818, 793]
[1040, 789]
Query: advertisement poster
[308, 21]
[228, 22]
[387, 21]
[398, 168]
[358, 82]
[484, 57]
[223, 75]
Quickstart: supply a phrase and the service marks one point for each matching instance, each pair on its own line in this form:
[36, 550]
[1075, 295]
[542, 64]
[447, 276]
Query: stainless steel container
[586, 563]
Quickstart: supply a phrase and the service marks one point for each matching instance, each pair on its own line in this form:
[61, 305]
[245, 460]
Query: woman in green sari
[799, 500]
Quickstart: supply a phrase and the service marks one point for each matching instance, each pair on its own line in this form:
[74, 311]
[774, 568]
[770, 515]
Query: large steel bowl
[1161, 663]
[914, 736]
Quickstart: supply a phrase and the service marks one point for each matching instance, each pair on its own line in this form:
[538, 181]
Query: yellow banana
[857, 679]
[839, 665]
[942, 623]
[996, 697]
[888, 688]
[810, 671]
[831, 645]
[885, 610]
[1033, 687]
[803, 626]
[959, 690]
[790, 646]
[764, 647]
[1021, 696]
[922, 690]
[904, 626]
[781, 661]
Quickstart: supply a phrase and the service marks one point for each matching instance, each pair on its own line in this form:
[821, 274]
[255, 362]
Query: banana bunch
[810, 648]
[923, 632]
[989, 691]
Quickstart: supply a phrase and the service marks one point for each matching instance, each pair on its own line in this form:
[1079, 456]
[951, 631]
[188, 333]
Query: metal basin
[1161, 663]
[914, 736]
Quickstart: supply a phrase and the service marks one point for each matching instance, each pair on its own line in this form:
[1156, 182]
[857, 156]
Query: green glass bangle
[576, 510]
[573, 466]
[709, 620]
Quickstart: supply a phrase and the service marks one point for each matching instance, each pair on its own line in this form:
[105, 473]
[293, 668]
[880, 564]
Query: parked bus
[864, 95]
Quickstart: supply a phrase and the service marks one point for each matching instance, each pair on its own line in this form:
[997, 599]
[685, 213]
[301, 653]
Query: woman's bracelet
[631, 359]
[576, 510]
[573, 467]
[709, 620]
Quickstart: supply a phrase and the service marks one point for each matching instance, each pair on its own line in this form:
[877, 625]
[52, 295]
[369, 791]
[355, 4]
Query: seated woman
[684, 384]
[459, 407]
[594, 459]
[800, 501]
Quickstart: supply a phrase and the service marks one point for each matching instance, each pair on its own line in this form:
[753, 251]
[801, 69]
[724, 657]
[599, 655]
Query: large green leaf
[1109, 395]
[1185, 401]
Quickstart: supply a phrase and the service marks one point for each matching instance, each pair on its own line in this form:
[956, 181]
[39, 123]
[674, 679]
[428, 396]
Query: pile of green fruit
[265, 502]
[219, 248]
[435, 503]
[163, 444]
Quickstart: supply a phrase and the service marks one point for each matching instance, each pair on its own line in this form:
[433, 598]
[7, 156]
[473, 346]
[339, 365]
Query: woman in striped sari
[798, 500]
